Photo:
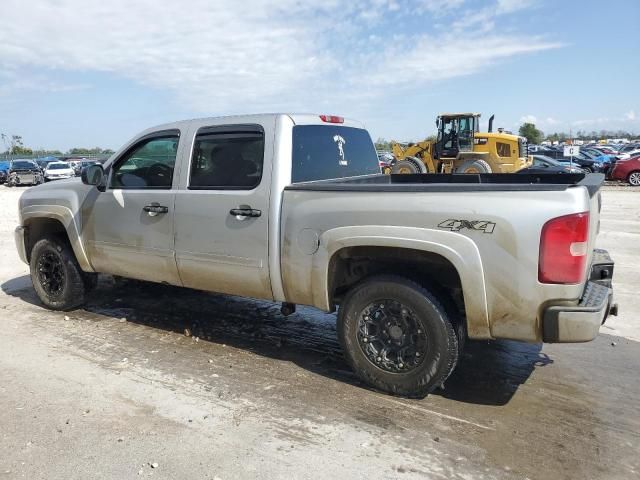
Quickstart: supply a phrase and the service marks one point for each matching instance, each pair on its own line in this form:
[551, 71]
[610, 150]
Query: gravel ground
[117, 390]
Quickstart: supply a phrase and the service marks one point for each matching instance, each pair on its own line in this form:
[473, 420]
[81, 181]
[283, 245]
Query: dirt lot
[118, 391]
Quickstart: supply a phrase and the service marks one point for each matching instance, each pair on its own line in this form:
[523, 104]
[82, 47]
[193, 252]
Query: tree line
[535, 135]
[14, 145]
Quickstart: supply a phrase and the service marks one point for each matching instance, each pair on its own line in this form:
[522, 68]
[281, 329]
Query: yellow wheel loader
[460, 148]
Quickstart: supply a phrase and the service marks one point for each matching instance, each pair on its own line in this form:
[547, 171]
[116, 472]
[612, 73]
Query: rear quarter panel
[499, 270]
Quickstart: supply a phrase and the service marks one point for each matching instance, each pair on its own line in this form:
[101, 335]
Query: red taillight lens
[331, 119]
[563, 249]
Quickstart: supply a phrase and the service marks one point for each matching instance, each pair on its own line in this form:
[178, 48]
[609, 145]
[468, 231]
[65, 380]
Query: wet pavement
[510, 410]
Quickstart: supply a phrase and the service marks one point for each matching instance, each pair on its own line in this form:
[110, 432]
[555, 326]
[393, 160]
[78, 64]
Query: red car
[627, 170]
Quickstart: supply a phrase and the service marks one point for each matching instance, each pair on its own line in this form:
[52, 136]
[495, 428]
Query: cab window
[147, 165]
[229, 160]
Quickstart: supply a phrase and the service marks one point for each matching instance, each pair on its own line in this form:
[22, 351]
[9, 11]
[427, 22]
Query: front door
[222, 216]
[129, 227]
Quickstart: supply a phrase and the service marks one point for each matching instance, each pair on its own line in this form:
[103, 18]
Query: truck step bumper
[580, 323]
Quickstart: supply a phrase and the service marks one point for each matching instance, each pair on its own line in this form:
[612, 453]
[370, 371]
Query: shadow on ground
[489, 373]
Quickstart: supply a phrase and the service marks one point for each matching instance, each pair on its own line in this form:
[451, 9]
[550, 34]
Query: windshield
[58, 166]
[323, 151]
[22, 165]
[547, 160]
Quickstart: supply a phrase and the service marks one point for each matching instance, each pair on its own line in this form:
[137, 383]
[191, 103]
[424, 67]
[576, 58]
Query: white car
[629, 154]
[58, 171]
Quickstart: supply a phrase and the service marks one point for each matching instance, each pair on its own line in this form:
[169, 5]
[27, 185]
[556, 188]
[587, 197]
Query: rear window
[22, 165]
[323, 151]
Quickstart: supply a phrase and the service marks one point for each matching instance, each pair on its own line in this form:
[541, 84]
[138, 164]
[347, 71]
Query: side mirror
[92, 175]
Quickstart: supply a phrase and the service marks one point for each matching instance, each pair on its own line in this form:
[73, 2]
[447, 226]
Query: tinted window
[322, 151]
[227, 161]
[57, 166]
[149, 164]
[22, 165]
[504, 150]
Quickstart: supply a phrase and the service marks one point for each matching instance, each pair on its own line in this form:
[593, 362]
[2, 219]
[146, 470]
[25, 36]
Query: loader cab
[456, 133]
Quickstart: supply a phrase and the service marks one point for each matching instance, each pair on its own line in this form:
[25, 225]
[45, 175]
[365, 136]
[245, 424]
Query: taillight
[331, 119]
[563, 249]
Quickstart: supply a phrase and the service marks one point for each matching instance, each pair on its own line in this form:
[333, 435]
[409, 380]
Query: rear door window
[321, 152]
[231, 160]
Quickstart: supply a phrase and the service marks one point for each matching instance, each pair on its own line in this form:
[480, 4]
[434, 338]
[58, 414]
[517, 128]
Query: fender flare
[458, 249]
[65, 216]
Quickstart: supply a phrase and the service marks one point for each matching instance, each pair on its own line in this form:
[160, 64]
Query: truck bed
[490, 182]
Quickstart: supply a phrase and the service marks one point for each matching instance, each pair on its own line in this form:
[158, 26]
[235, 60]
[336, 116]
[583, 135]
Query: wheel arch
[447, 260]
[55, 219]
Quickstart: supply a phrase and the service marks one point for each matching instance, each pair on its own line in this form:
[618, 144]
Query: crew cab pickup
[293, 209]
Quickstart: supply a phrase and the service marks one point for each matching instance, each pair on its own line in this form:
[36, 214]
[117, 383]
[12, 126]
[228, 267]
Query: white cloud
[509, 6]
[630, 115]
[230, 56]
[551, 121]
[528, 119]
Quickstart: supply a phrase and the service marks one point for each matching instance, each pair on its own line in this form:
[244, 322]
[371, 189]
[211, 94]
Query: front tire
[397, 336]
[56, 275]
[409, 165]
[634, 179]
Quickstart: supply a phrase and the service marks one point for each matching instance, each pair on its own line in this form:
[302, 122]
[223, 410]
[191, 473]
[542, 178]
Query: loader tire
[474, 166]
[409, 165]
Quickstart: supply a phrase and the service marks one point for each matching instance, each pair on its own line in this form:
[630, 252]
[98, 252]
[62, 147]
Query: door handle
[245, 212]
[154, 209]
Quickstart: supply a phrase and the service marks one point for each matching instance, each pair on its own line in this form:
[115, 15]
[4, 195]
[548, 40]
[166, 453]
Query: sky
[86, 73]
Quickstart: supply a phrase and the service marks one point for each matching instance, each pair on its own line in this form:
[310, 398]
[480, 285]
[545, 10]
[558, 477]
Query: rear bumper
[581, 323]
[19, 236]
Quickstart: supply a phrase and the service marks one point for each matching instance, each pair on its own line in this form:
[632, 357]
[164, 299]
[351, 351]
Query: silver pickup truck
[293, 209]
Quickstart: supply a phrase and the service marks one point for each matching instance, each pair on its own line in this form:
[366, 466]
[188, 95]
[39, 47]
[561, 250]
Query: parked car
[629, 153]
[628, 148]
[551, 153]
[4, 171]
[542, 164]
[385, 162]
[609, 150]
[86, 163]
[588, 163]
[58, 171]
[23, 172]
[44, 161]
[627, 170]
[292, 208]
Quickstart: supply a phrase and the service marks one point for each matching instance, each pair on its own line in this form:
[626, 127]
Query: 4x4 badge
[457, 225]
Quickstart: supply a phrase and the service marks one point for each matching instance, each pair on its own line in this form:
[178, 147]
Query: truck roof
[455, 115]
[297, 118]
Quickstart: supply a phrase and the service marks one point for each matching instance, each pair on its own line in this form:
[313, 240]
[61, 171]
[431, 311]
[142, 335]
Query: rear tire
[474, 166]
[56, 275]
[397, 336]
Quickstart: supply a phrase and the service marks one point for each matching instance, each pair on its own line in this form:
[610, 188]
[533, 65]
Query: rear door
[222, 213]
[129, 227]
